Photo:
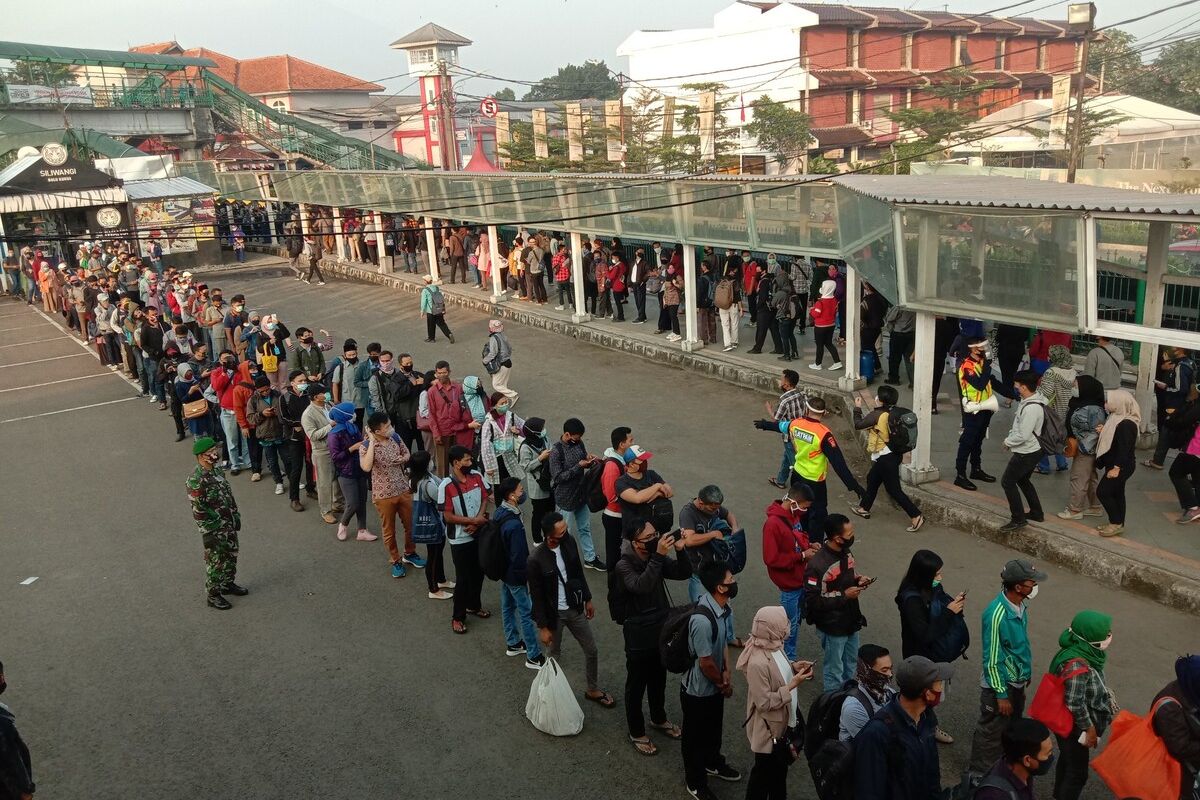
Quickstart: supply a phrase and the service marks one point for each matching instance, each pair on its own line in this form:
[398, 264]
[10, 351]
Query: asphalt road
[333, 680]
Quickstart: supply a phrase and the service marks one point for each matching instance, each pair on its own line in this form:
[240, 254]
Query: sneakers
[440, 595]
[724, 772]
[1094, 511]
[962, 482]
[1013, 525]
[674, 337]
[517, 649]
[320, 283]
[835, 366]
[365, 535]
[815, 366]
[343, 533]
[560, 308]
[255, 477]
[398, 570]
[279, 488]
[535, 664]
[447, 585]
[729, 348]
[1067, 513]
[1191, 515]
[595, 564]
[702, 794]
[413, 560]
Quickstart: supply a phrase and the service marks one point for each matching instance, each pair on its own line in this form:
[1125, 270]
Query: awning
[161, 188]
[45, 201]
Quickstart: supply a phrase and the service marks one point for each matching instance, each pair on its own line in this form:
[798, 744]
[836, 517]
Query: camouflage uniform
[217, 517]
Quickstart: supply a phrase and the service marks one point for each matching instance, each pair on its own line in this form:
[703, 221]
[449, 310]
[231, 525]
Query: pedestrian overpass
[1028, 253]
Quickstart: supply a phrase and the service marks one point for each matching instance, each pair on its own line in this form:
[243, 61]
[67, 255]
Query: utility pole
[447, 138]
[1081, 18]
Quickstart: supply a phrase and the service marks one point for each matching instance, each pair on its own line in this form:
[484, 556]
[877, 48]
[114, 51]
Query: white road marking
[22, 328]
[40, 360]
[28, 581]
[133, 383]
[66, 410]
[35, 341]
[64, 380]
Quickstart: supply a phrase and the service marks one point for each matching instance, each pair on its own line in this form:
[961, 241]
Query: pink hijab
[767, 632]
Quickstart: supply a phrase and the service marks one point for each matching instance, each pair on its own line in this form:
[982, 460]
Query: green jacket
[213, 506]
[312, 360]
[1007, 658]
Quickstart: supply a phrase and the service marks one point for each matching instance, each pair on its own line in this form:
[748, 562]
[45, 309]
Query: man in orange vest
[976, 384]
[816, 450]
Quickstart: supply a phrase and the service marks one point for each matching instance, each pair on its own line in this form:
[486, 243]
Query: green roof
[16, 133]
[53, 54]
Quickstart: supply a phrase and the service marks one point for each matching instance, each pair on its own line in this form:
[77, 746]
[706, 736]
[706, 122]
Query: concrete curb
[1152, 576]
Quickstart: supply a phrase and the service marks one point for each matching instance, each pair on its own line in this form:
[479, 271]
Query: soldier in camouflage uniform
[217, 517]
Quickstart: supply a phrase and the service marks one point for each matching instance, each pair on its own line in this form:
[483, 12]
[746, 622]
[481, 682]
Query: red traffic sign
[488, 106]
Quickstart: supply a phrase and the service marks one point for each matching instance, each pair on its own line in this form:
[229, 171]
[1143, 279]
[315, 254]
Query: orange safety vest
[805, 435]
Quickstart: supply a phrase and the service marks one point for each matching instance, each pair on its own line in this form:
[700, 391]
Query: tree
[783, 131]
[39, 74]
[1174, 78]
[591, 79]
[505, 94]
[936, 124]
[683, 152]
[1116, 58]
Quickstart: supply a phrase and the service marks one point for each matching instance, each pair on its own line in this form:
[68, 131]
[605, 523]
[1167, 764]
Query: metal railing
[153, 91]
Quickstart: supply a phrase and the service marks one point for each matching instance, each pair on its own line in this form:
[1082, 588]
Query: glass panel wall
[868, 241]
[715, 214]
[796, 218]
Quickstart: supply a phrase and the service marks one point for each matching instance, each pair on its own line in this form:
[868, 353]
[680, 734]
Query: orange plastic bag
[1136, 762]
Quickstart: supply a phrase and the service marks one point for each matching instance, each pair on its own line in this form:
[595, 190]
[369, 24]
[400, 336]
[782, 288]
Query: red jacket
[239, 396]
[1039, 349]
[616, 276]
[784, 543]
[222, 382]
[824, 312]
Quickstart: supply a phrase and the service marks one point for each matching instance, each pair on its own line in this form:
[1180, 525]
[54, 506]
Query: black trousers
[766, 325]
[900, 348]
[1111, 492]
[1185, 477]
[618, 304]
[970, 441]
[314, 268]
[435, 565]
[612, 540]
[768, 778]
[639, 300]
[870, 341]
[1008, 358]
[468, 579]
[644, 676]
[176, 407]
[985, 742]
[1071, 769]
[668, 319]
[823, 337]
[293, 465]
[438, 320]
[539, 508]
[1017, 477]
[590, 294]
[703, 718]
[885, 471]
[801, 313]
[818, 510]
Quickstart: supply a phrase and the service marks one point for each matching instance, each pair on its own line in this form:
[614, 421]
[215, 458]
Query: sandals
[458, 627]
[669, 729]
[1149, 462]
[776, 483]
[860, 511]
[916, 526]
[603, 699]
[644, 746]
[482, 613]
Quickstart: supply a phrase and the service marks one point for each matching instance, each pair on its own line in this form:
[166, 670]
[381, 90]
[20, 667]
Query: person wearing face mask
[309, 356]
[895, 755]
[1028, 752]
[498, 441]
[386, 458]
[831, 590]
[317, 424]
[341, 380]
[362, 376]
[976, 385]
[872, 688]
[1080, 664]
[276, 340]
[224, 379]
[216, 514]
[1175, 718]
[520, 632]
[1007, 661]
[786, 551]
[533, 468]
[233, 324]
[16, 766]
[497, 359]
[615, 278]
[824, 313]
[885, 463]
[292, 404]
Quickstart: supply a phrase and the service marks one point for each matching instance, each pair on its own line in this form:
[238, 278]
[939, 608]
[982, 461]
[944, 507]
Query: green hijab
[1076, 641]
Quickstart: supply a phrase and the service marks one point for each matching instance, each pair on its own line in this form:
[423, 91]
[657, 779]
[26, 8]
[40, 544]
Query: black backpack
[1052, 436]
[830, 760]
[902, 429]
[593, 486]
[995, 782]
[674, 643]
[493, 556]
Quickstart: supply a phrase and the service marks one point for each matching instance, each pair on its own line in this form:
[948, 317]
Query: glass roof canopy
[1001, 249]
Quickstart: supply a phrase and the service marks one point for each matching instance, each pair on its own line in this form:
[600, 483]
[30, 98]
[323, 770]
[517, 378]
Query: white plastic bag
[552, 707]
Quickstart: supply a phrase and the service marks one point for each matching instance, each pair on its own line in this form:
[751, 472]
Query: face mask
[847, 544]
[936, 583]
[307, 340]
[238, 308]
[352, 360]
[1103, 645]
[270, 326]
[328, 397]
[651, 545]
[389, 367]
[502, 409]
[1043, 767]
[301, 387]
[937, 699]
[731, 590]
[407, 369]
[521, 500]
[1032, 594]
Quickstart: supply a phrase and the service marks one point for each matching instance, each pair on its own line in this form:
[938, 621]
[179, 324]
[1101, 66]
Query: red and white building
[428, 130]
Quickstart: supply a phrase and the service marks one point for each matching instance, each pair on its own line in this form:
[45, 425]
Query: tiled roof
[841, 136]
[829, 78]
[430, 33]
[286, 73]
[158, 48]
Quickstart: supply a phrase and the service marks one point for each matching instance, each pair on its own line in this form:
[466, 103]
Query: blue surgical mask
[302, 387]
[329, 397]
[521, 500]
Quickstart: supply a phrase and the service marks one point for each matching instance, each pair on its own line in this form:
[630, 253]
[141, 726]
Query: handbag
[1049, 705]
[1072, 448]
[1136, 762]
[972, 407]
[268, 361]
[195, 408]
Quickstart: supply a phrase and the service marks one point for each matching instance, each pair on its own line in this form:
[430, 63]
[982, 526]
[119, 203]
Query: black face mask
[847, 544]
[1043, 767]
[407, 369]
[352, 360]
[3, 686]
[731, 590]
[306, 340]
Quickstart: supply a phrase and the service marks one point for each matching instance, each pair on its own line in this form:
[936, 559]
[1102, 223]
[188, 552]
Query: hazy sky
[523, 39]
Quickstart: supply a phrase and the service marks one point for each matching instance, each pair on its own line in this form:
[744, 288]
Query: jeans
[840, 660]
[885, 471]
[1071, 769]
[792, 601]
[787, 337]
[985, 742]
[514, 603]
[355, 491]
[787, 463]
[576, 621]
[156, 387]
[1111, 492]
[579, 525]
[1017, 476]
[970, 441]
[1060, 461]
[703, 718]
[239, 448]
[271, 452]
[566, 294]
[644, 675]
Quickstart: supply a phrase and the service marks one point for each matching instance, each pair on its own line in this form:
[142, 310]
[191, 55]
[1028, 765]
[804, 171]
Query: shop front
[178, 215]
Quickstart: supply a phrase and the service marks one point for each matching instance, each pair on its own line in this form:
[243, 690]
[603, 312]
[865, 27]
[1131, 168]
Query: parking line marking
[64, 380]
[21, 328]
[35, 341]
[66, 410]
[40, 360]
[29, 580]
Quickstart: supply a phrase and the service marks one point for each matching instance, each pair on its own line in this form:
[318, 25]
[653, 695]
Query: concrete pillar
[851, 380]
[691, 334]
[339, 241]
[580, 314]
[380, 243]
[1152, 311]
[920, 468]
[494, 254]
[431, 247]
[305, 210]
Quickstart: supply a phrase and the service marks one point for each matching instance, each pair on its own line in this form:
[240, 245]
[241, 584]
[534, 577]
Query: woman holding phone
[772, 701]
